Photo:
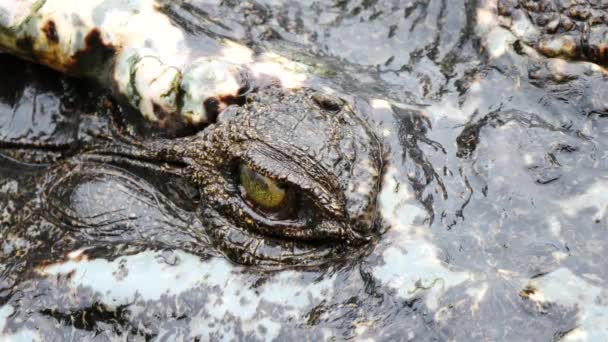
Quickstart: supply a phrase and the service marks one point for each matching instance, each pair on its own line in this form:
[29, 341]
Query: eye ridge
[313, 180]
[302, 204]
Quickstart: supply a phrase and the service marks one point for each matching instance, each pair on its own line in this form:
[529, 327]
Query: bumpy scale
[569, 29]
[130, 47]
[313, 167]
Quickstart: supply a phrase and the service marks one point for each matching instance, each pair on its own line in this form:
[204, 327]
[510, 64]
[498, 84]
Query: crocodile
[490, 212]
[134, 48]
[568, 29]
[286, 175]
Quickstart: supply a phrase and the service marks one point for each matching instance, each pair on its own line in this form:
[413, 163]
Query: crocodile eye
[261, 191]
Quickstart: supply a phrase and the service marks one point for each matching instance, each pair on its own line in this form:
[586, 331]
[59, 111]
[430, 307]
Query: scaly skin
[130, 47]
[312, 144]
[569, 29]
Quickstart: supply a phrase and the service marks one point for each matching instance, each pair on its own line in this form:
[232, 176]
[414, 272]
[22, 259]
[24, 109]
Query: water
[493, 203]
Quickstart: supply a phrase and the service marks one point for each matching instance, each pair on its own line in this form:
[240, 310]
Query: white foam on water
[148, 277]
[565, 288]
[285, 290]
[413, 268]
[411, 263]
[595, 197]
[5, 312]
[22, 335]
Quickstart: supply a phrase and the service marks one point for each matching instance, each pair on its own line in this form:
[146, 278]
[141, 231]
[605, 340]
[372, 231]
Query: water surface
[493, 203]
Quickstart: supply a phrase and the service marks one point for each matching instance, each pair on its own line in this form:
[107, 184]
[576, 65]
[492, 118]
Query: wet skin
[494, 192]
[574, 30]
[130, 47]
[325, 158]
[321, 163]
[314, 146]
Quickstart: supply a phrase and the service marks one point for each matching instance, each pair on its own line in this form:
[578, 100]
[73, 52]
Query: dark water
[493, 203]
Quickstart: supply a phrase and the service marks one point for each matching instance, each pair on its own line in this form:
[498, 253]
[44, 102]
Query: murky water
[493, 203]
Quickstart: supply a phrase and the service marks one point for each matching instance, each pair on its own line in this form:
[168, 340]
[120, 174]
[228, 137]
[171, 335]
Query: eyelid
[307, 176]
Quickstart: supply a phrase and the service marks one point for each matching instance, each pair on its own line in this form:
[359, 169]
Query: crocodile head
[291, 177]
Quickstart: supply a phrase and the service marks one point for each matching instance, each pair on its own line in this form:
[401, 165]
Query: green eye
[260, 190]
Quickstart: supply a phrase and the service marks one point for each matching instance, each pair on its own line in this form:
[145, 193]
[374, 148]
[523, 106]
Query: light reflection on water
[493, 199]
